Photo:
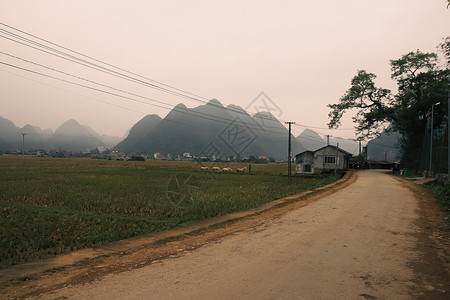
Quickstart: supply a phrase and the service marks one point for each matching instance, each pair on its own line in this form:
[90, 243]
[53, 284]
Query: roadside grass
[442, 192]
[50, 206]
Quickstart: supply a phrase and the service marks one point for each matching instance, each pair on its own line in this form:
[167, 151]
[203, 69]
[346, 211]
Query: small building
[326, 159]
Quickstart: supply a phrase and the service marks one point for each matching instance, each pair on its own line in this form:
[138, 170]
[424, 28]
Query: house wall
[326, 159]
[320, 163]
[306, 159]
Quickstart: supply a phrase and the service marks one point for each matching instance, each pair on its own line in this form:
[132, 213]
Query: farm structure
[326, 159]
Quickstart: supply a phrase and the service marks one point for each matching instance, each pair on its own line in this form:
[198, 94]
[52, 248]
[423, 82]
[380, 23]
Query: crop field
[50, 206]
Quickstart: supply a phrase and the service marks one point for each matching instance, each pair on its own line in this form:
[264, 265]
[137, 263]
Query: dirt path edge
[432, 268]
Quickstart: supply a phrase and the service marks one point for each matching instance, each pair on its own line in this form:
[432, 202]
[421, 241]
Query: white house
[326, 159]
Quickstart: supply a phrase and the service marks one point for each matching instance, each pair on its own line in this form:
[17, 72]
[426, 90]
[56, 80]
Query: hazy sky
[302, 54]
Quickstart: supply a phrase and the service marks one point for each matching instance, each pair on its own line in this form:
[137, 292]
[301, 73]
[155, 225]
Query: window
[330, 159]
[307, 168]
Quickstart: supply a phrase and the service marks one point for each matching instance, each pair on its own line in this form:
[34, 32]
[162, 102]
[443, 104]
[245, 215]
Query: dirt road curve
[362, 242]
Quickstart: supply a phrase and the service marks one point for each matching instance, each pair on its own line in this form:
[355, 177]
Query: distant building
[326, 159]
[158, 155]
[187, 156]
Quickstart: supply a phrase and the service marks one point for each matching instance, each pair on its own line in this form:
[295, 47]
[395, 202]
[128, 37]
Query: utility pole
[289, 151]
[23, 144]
[432, 135]
[337, 155]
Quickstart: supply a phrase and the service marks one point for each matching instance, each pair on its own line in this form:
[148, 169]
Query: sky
[300, 54]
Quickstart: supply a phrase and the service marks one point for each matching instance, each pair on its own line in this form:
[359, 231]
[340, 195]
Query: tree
[420, 85]
[371, 103]
[444, 47]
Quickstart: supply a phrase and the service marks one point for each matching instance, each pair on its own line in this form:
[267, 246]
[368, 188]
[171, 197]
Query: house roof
[304, 152]
[335, 147]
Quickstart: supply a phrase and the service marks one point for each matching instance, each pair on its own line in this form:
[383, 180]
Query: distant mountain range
[207, 130]
[69, 136]
[313, 141]
[384, 148]
[210, 130]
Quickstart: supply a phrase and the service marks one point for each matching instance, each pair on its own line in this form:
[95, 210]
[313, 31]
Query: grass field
[50, 206]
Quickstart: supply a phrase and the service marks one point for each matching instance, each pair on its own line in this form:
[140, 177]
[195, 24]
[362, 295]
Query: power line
[97, 67]
[123, 107]
[323, 128]
[95, 99]
[75, 93]
[97, 60]
[303, 137]
[84, 61]
[117, 75]
[132, 94]
[176, 108]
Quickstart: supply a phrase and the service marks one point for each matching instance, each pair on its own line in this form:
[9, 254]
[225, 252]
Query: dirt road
[362, 242]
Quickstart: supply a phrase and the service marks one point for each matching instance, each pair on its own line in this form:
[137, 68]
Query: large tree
[444, 47]
[421, 84]
[371, 105]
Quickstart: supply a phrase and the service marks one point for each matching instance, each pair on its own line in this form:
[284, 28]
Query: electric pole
[337, 156]
[432, 135]
[359, 147]
[23, 144]
[289, 151]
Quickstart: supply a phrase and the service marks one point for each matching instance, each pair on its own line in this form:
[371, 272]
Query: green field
[50, 206]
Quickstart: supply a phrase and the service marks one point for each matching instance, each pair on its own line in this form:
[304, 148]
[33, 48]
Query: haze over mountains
[69, 136]
[205, 131]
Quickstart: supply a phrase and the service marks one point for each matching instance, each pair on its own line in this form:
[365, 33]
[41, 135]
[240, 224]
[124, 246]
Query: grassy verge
[53, 206]
[442, 192]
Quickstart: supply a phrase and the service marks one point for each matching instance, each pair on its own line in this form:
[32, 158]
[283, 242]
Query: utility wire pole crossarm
[289, 151]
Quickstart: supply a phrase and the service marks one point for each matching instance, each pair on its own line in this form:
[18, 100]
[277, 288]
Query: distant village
[116, 155]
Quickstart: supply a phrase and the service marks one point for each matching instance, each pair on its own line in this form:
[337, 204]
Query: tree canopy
[444, 47]
[371, 103]
[421, 84]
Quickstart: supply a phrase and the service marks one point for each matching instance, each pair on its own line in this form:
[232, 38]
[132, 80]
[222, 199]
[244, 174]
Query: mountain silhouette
[385, 147]
[138, 131]
[311, 140]
[35, 137]
[69, 136]
[349, 145]
[210, 130]
[10, 135]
